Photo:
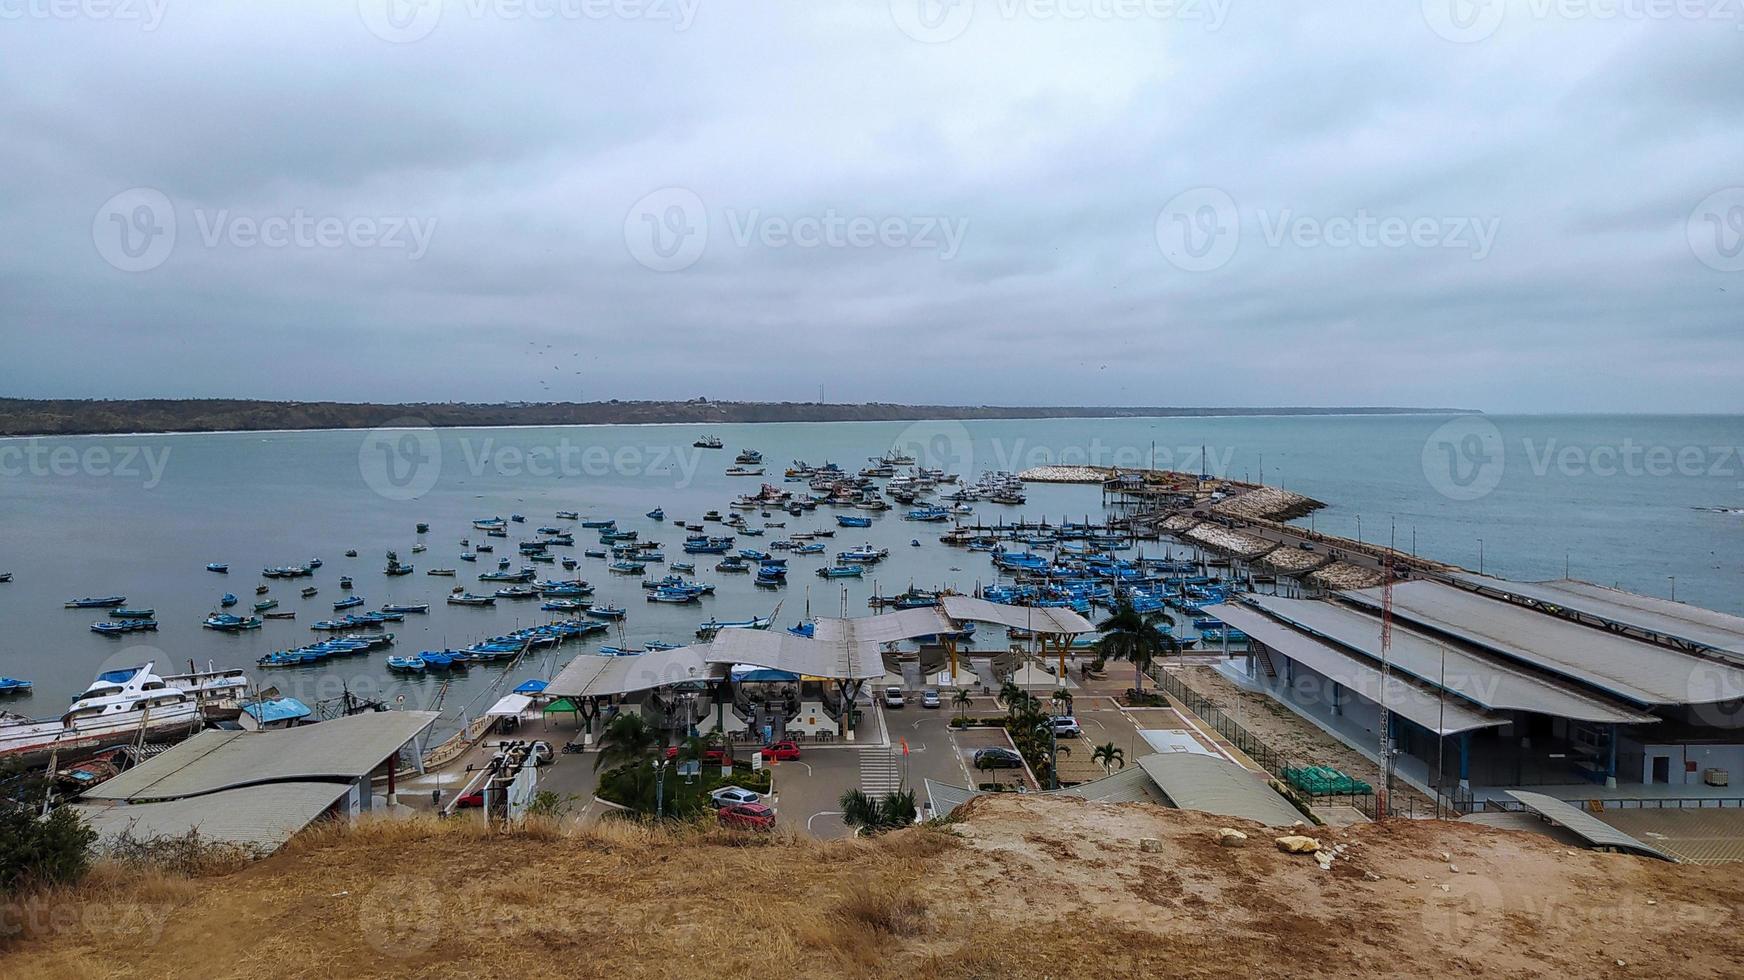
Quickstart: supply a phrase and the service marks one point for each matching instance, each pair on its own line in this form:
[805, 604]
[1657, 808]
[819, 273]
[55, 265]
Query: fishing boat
[594, 553]
[606, 612]
[261, 590]
[5, 576]
[707, 442]
[440, 572]
[518, 592]
[115, 627]
[733, 564]
[265, 604]
[749, 457]
[417, 548]
[406, 607]
[289, 614]
[843, 520]
[600, 523]
[226, 623]
[345, 581]
[486, 549]
[744, 471]
[423, 527]
[100, 602]
[218, 566]
[841, 571]
[563, 605]
[675, 596]
[809, 548]
[349, 602]
[122, 706]
[311, 592]
[567, 515]
[468, 599]
[12, 685]
[395, 567]
[628, 567]
[657, 514]
[569, 563]
[488, 523]
[351, 552]
[406, 665]
[468, 556]
[227, 600]
[443, 661]
[683, 566]
[713, 626]
[518, 518]
[122, 612]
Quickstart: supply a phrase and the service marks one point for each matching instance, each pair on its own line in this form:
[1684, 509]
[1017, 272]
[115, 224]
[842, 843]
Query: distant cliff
[21, 416]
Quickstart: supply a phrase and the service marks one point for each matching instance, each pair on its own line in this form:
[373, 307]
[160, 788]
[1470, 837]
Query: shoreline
[33, 418]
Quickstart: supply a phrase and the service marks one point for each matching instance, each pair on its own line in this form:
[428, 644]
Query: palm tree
[1128, 635]
[962, 701]
[1062, 699]
[871, 815]
[1010, 693]
[858, 809]
[626, 740]
[1109, 756]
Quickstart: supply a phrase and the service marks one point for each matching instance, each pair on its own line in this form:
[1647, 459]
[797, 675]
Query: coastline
[35, 418]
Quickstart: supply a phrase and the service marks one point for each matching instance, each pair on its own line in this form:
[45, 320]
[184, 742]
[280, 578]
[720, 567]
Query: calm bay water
[1615, 498]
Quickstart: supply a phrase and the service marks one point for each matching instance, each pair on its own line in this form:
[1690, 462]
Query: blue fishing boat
[606, 612]
[406, 607]
[842, 571]
[843, 520]
[122, 612]
[100, 602]
[809, 548]
[600, 523]
[227, 600]
[218, 566]
[713, 626]
[674, 596]
[683, 566]
[518, 592]
[734, 564]
[265, 604]
[349, 602]
[468, 599]
[115, 627]
[563, 605]
[226, 623]
[406, 665]
[657, 514]
[567, 515]
[468, 556]
[628, 567]
[13, 685]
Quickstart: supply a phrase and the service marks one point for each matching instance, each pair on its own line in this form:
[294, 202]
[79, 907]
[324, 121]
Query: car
[783, 751]
[1066, 726]
[734, 795]
[929, 698]
[713, 755]
[893, 697]
[746, 816]
[997, 757]
[471, 799]
[540, 753]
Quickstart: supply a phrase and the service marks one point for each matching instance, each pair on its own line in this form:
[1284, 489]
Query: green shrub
[36, 851]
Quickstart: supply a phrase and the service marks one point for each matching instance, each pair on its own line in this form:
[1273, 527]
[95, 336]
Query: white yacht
[120, 706]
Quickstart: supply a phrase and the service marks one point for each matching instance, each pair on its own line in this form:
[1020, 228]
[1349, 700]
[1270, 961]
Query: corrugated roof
[1212, 785]
[890, 627]
[943, 797]
[1591, 828]
[258, 816]
[279, 709]
[781, 650]
[1488, 681]
[1048, 619]
[342, 749]
[1636, 670]
[1358, 674]
[1129, 785]
[590, 675]
[1677, 621]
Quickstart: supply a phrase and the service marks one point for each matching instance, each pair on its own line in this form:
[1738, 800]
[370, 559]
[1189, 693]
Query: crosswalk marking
[880, 772]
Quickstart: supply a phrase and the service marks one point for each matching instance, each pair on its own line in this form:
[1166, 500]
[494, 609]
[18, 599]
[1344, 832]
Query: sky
[1510, 205]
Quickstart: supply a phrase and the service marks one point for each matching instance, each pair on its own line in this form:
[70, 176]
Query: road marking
[820, 813]
[879, 772]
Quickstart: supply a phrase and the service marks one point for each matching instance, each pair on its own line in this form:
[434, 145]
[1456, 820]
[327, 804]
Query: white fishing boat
[121, 706]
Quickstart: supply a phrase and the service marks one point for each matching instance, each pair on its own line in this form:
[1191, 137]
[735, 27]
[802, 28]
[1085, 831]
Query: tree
[40, 851]
[875, 815]
[1062, 700]
[1010, 693]
[1109, 756]
[627, 739]
[962, 701]
[1128, 635]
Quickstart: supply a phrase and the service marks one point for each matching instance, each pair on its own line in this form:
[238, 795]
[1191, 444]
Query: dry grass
[1004, 893]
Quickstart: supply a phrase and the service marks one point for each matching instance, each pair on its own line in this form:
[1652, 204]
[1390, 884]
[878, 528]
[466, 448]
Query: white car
[1066, 726]
[733, 796]
[893, 697]
[929, 698]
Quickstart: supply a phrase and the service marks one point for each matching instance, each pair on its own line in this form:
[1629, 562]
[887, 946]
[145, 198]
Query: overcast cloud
[1531, 205]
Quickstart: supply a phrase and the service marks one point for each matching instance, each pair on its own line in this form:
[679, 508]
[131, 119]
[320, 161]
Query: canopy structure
[1662, 620]
[257, 817]
[1046, 620]
[509, 706]
[1593, 830]
[1212, 785]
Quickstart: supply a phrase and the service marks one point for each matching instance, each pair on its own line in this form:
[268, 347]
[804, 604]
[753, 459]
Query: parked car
[783, 751]
[746, 816]
[997, 757]
[1066, 726]
[733, 796]
[541, 753]
[472, 799]
[893, 697]
[929, 698]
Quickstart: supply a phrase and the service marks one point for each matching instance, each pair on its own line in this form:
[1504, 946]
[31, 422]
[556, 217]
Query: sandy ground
[1020, 887]
[1287, 732]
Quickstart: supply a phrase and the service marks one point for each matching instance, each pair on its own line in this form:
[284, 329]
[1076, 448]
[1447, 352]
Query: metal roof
[257, 816]
[890, 627]
[1487, 681]
[343, 749]
[944, 798]
[781, 650]
[1595, 831]
[1359, 674]
[592, 675]
[1676, 622]
[1039, 619]
[1211, 785]
[1129, 785]
[1636, 670]
[279, 709]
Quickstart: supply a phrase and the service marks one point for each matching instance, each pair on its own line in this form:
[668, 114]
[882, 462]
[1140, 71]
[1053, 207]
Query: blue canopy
[531, 687]
[763, 674]
[281, 709]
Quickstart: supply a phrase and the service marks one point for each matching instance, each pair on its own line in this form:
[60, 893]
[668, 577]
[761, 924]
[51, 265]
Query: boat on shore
[122, 706]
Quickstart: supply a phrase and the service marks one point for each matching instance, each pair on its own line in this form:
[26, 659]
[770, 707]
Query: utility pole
[1384, 796]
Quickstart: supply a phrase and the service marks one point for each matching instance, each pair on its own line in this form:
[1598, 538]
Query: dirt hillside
[1019, 887]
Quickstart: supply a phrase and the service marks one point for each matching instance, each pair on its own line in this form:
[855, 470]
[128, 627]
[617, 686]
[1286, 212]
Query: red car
[782, 751]
[472, 799]
[714, 756]
[746, 816]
